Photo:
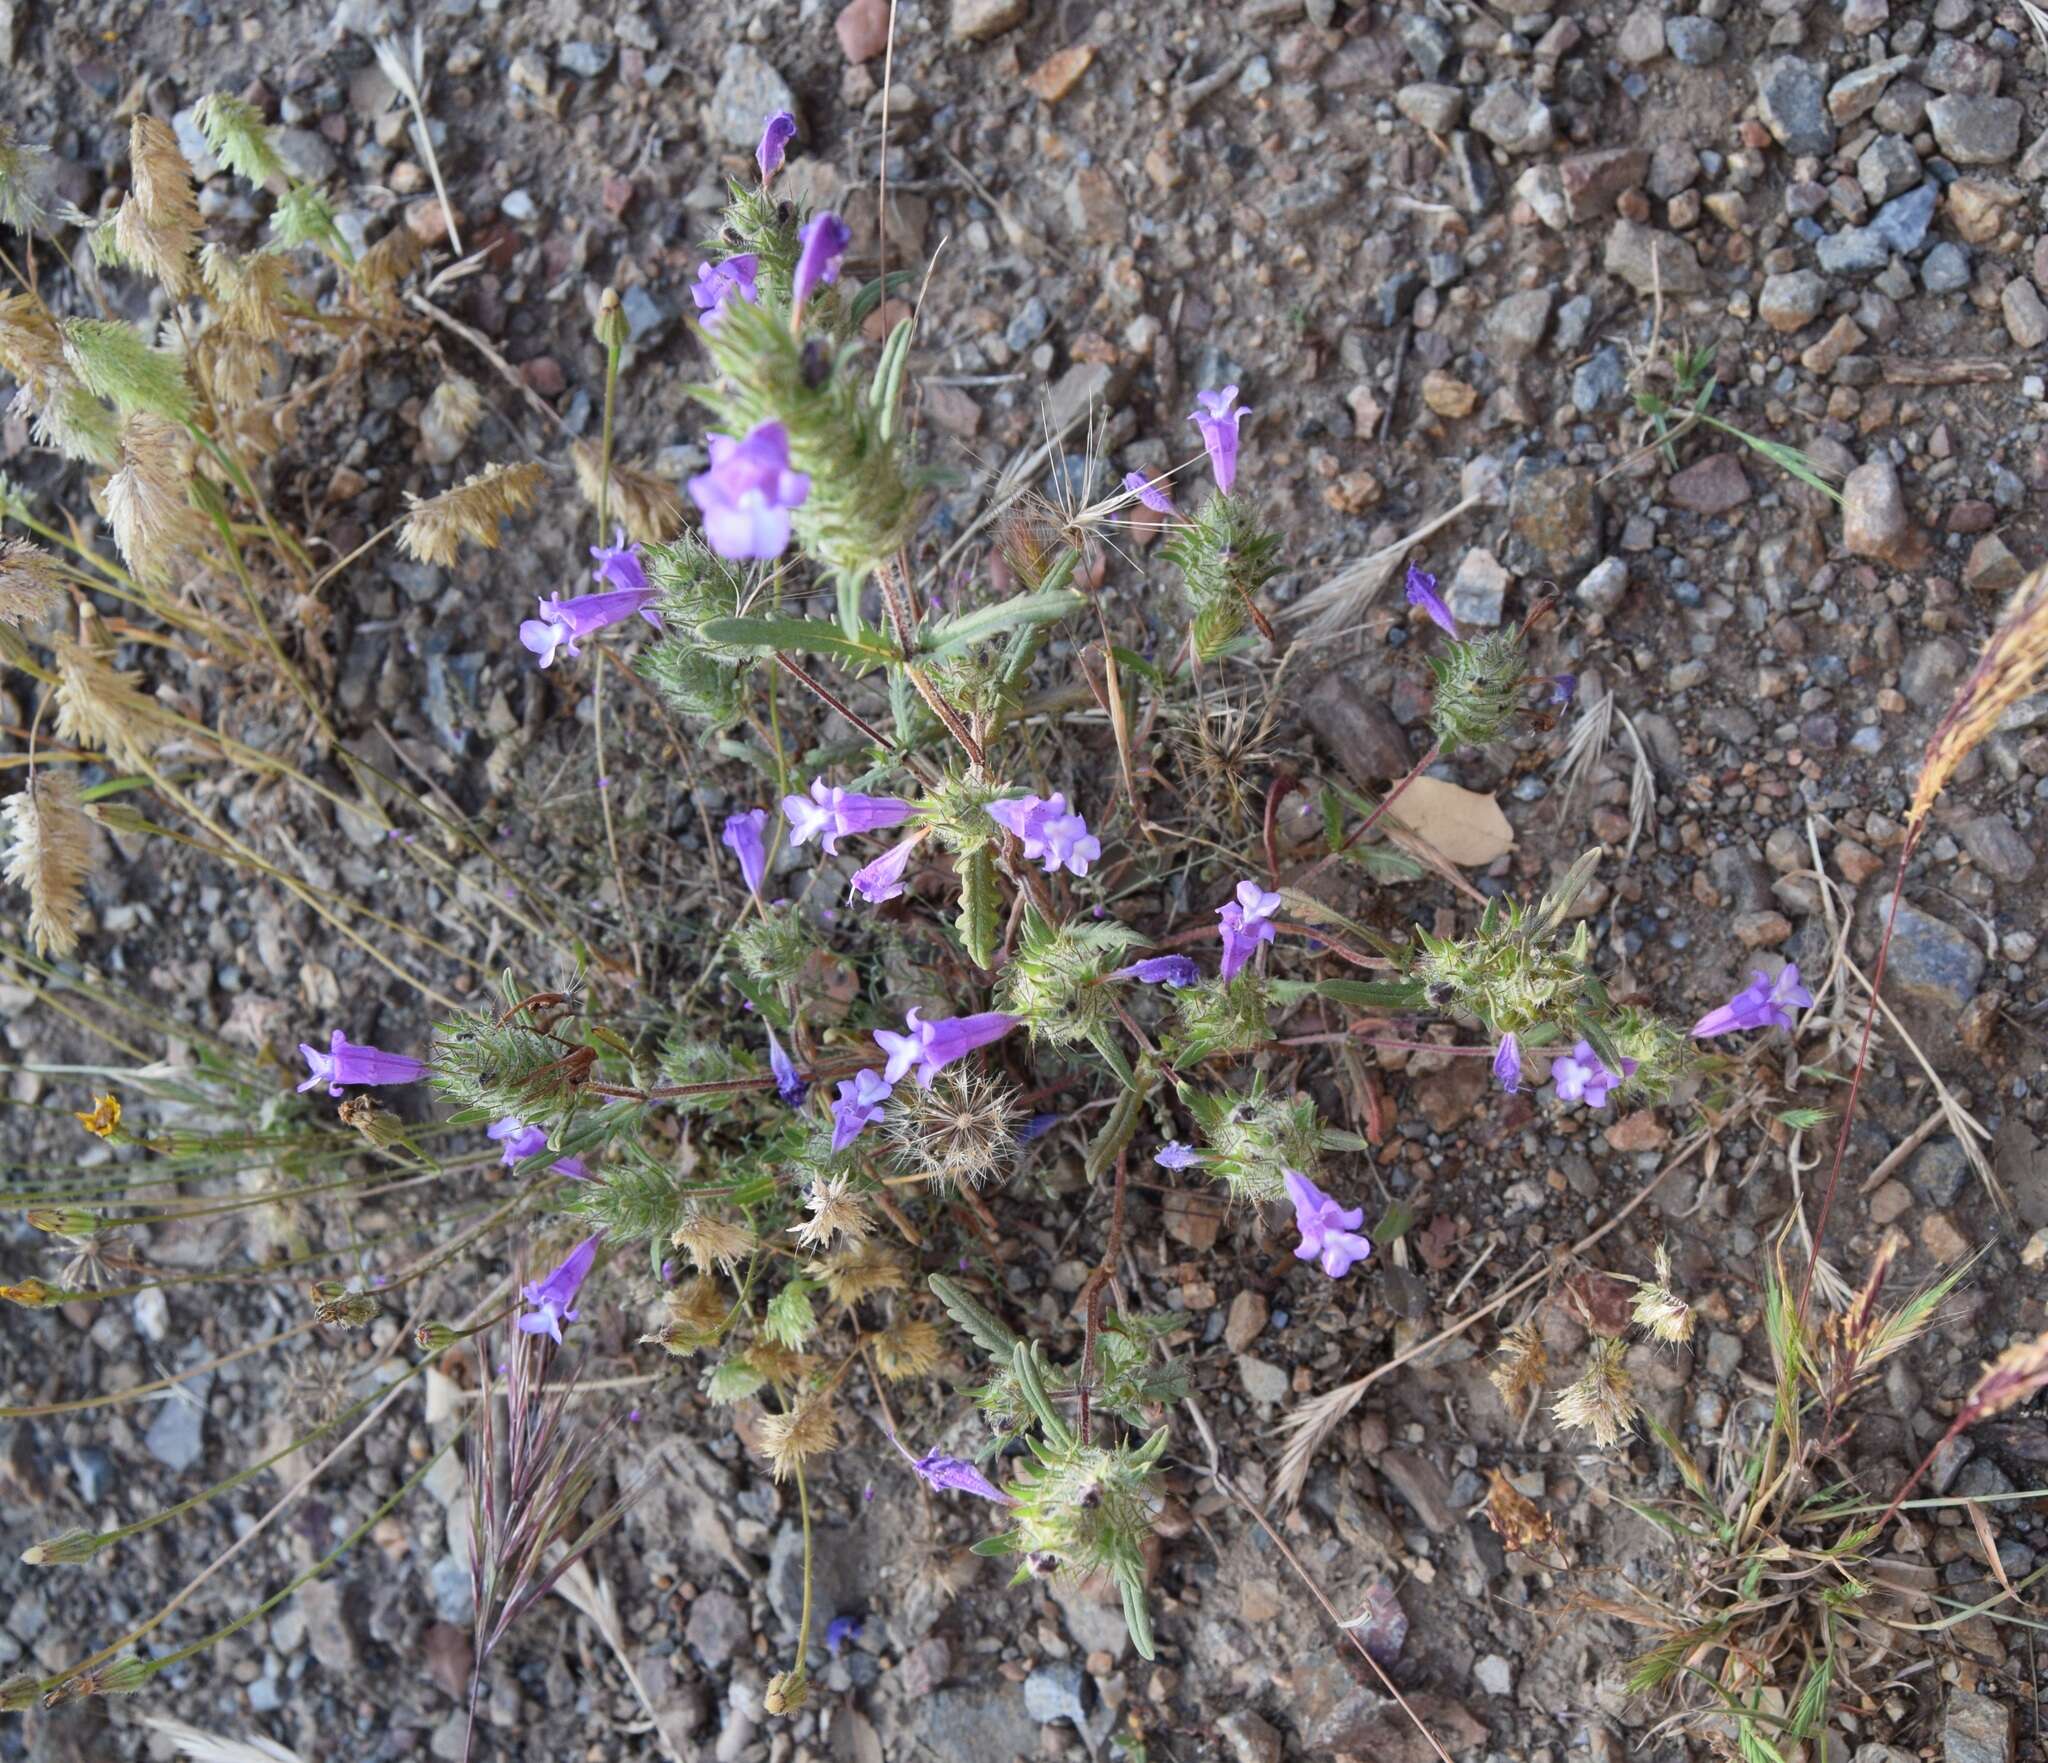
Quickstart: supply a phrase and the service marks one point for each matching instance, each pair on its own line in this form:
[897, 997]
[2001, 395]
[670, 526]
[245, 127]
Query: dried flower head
[647, 503]
[858, 1272]
[961, 1131]
[434, 529]
[786, 1368]
[31, 346]
[49, 855]
[1660, 1309]
[908, 1347]
[104, 1118]
[29, 590]
[338, 1307]
[1521, 1524]
[1603, 1401]
[803, 1432]
[144, 497]
[157, 225]
[373, 1120]
[1521, 1364]
[102, 708]
[835, 1211]
[449, 418]
[2005, 673]
[697, 1314]
[713, 1242]
[388, 262]
[248, 290]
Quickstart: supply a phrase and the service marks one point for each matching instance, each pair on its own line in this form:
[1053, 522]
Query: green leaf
[1117, 1131]
[1373, 994]
[811, 636]
[980, 1325]
[886, 394]
[1387, 864]
[1009, 1543]
[969, 628]
[872, 293]
[1130, 1581]
[981, 903]
[1132, 662]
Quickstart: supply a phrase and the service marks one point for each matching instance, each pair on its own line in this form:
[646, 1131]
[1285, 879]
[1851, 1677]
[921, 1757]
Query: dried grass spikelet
[642, 501]
[787, 1368]
[157, 227]
[434, 529]
[450, 416]
[384, 265]
[2019, 1372]
[697, 1314]
[27, 177]
[247, 290]
[29, 590]
[1521, 1364]
[908, 1347]
[230, 366]
[144, 498]
[101, 707]
[31, 346]
[792, 1438]
[1660, 1309]
[713, 1243]
[858, 1272]
[1521, 1524]
[835, 1211]
[49, 855]
[2005, 673]
[1603, 1401]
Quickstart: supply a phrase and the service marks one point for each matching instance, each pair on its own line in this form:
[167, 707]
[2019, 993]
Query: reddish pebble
[863, 28]
[544, 374]
[617, 194]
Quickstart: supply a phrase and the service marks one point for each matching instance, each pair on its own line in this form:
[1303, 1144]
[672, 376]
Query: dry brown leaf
[1465, 826]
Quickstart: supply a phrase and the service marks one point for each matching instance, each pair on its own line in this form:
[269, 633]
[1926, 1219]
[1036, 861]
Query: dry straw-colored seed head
[449, 418]
[2005, 673]
[713, 1243]
[835, 1211]
[31, 347]
[157, 227]
[641, 501]
[1520, 1366]
[858, 1272]
[805, 1431]
[2017, 1374]
[101, 707]
[29, 590]
[908, 1347]
[388, 262]
[144, 497]
[49, 855]
[248, 290]
[1603, 1400]
[434, 529]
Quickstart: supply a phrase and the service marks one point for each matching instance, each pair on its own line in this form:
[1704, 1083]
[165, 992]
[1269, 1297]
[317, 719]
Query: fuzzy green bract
[1224, 556]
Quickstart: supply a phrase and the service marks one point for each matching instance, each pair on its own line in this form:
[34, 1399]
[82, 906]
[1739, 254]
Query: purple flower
[825, 238]
[1563, 688]
[618, 564]
[882, 879]
[836, 813]
[1763, 1003]
[519, 1141]
[861, 1098]
[1171, 971]
[1218, 423]
[1037, 1127]
[1329, 1232]
[346, 1063]
[788, 1085]
[1247, 922]
[839, 1631]
[1148, 491]
[1422, 592]
[742, 837]
[944, 1474]
[718, 283]
[562, 622]
[1507, 1064]
[554, 1298]
[1049, 831]
[1175, 1155]
[747, 494]
[1070, 845]
[572, 1168]
[932, 1046]
[1580, 1076]
[776, 133]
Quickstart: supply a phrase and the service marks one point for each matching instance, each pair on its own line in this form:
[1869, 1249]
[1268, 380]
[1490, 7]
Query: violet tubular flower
[346, 1063]
[746, 496]
[1581, 1076]
[563, 623]
[516, 1140]
[619, 565]
[825, 240]
[832, 814]
[1170, 971]
[1507, 1064]
[1218, 424]
[1330, 1233]
[932, 1046]
[735, 278]
[1763, 1003]
[944, 1474]
[1247, 922]
[788, 1085]
[1422, 592]
[1175, 1155]
[776, 134]
[1149, 491]
[742, 837]
[570, 1168]
[554, 1298]
[861, 1100]
[882, 880]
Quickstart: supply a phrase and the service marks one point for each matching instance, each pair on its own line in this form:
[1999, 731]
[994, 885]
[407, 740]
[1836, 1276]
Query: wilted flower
[562, 623]
[554, 1298]
[1603, 1401]
[788, 1085]
[717, 283]
[825, 239]
[1149, 492]
[861, 1100]
[932, 1046]
[1581, 1077]
[103, 1120]
[882, 880]
[517, 1140]
[1507, 1063]
[1329, 1232]
[839, 1631]
[1763, 1003]
[835, 1210]
[1247, 922]
[1218, 424]
[1171, 971]
[711, 1242]
[1521, 1363]
[346, 1063]
[835, 813]
[747, 494]
[776, 134]
[943, 1474]
[618, 564]
[1175, 1155]
[742, 837]
[1422, 592]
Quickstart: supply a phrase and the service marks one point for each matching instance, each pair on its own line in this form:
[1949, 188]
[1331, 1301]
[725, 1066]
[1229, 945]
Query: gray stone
[1094, 1623]
[835, 1574]
[974, 20]
[1429, 43]
[328, 1630]
[1352, 720]
[2026, 319]
[1888, 167]
[1556, 522]
[1874, 522]
[1251, 1739]
[192, 142]
[92, 1473]
[985, 1722]
[1395, 297]
[1418, 1481]
[1603, 585]
[717, 1628]
[1028, 323]
[1674, 166]
[1903, 221]
[1996, 847]
[1543, 190]
[748, 89]
[1855, 250]
[177, 1436]
[1976, 131]
[1479, 589]
[1946, 269]
[587, 60]
[1514, 119]
[1057, 1690]
[1640, 40]
[1938, 1171]
[1494, 1675]
[1931, 963]
[1712, 485]
[1696, 42]
[1861, 17]
[644, 314]
[1856, 94]
[1968, 68]
[1792, 299]
[454, 1596]
[1792, 102]
[307, 154]
[1332, 1711]
[1600, 381]
[1645, 259]
[1902, 108]
[1928, 675]
[926, 1666]
[1431, 106]
[1592, 182]
[1474, 187]
[1266, 1383]
[1976, 1729]
[1515, 326]
[1574, 320]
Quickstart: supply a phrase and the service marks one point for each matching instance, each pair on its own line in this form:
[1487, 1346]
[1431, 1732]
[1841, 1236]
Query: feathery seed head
[835, 1211]
[643, 501]
[712, 1242]
[1603, 1400]
[1521, 1364]
[908, 1347]
[434, 529]
[29, 590]
[799, 1434]
[858, 1272]
[115, 362]
[49, 855]
[959, 1132]
[144, 497]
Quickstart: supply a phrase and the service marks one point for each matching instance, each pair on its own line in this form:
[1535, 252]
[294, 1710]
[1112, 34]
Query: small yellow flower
[104, 1120]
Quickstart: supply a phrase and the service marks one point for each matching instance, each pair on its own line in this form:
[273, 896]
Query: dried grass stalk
[645, 503]
[144, 498]
[434, 529]
[157, 227]
[50, 853]
[2005, 673]
[29, 590]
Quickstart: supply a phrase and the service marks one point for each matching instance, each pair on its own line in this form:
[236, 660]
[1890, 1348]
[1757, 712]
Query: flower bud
[612, 331]
[67, 1550]
[787, 1692]
[63, 1221]
[35, 1294]
[337, 1307]
[435, 1337]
